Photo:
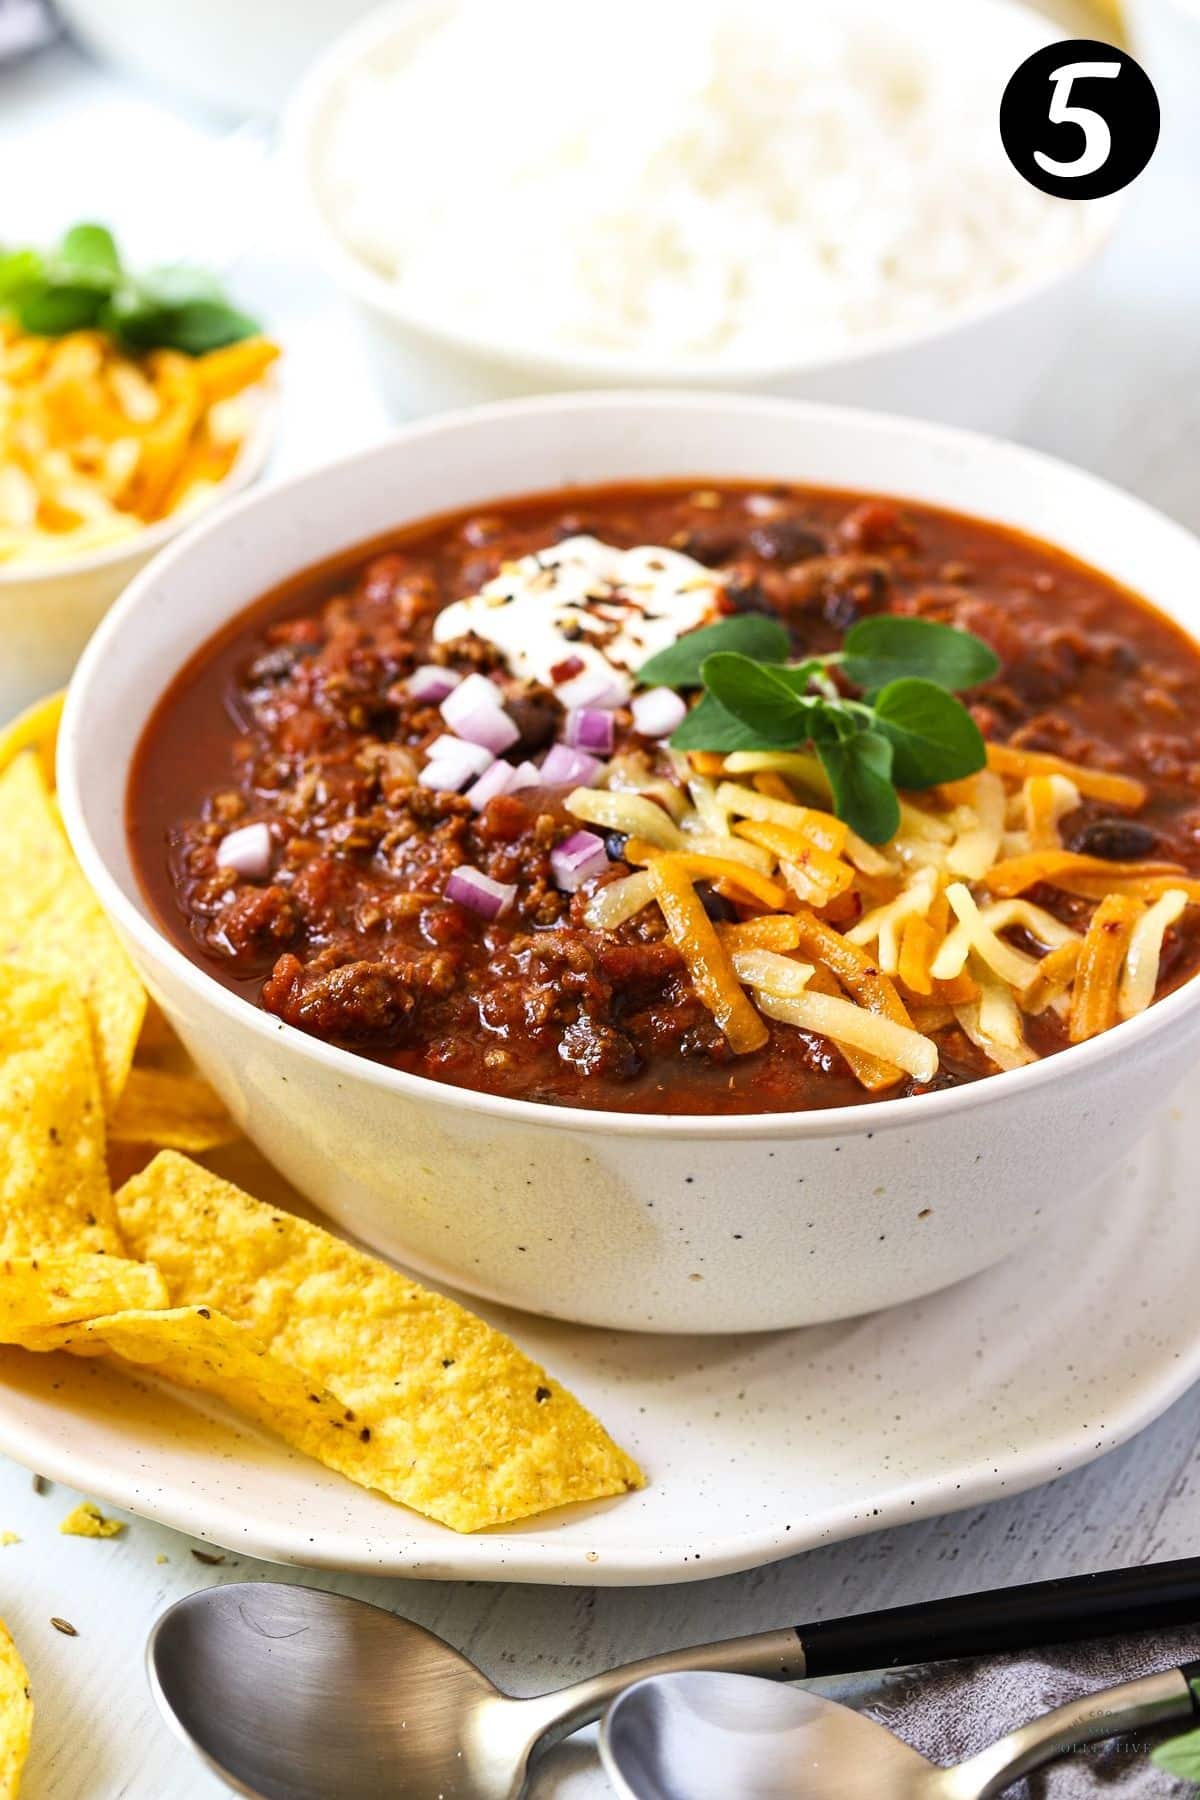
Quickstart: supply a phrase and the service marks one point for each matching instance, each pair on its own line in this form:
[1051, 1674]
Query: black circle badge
[1079, 119]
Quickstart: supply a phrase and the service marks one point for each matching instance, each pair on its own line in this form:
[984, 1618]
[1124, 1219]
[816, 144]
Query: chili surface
[297, 715]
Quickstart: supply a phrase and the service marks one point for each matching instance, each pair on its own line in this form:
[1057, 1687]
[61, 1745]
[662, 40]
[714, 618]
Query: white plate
[755, 1447]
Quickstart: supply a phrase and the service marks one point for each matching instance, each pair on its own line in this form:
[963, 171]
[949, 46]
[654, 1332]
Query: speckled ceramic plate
[755, 1447]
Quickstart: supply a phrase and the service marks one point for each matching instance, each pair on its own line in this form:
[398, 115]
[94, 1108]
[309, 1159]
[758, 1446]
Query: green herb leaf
[19, 270]
[1180, 1756]
[52, 311]
[88, 256]
[753, 634]
[932, 735]
[860, 773]
[195, 328]
[763, 696]
[888, 646]
[709, 727]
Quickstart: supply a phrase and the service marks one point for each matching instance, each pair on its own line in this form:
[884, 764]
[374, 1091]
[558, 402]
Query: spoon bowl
[292, 1693]
[700, 1736]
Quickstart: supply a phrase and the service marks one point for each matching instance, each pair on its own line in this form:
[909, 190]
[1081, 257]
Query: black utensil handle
[1015, 1618]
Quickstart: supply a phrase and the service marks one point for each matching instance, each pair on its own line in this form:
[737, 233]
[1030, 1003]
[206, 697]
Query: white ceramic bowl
[650, 1222]
[980, 366]
[48, 612]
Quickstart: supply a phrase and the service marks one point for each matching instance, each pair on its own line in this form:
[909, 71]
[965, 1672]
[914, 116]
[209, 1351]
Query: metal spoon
[705, 1737]
[292, 1693]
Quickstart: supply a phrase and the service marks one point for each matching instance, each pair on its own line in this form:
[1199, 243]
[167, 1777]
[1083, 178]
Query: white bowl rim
[574, 364]
[866, 1119]
[246, 467]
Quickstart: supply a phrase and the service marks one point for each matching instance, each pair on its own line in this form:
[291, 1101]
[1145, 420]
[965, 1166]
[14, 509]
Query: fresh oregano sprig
[82, 284]
[906, 730]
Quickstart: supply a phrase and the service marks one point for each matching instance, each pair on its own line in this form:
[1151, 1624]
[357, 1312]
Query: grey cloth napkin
[950, 1710]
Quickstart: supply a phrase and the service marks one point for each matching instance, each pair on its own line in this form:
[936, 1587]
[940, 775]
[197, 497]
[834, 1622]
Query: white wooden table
[1125, 400]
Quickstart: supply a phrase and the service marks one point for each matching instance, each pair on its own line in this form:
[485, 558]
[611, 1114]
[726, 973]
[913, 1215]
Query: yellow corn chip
[451, 1418]
[34, 729]
[174, 1112]
[16, 1716]
[50, 919]
[87, 1521]
[58, 1289]
[54, 1191]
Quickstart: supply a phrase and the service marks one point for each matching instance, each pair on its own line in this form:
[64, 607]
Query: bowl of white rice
[781, 195]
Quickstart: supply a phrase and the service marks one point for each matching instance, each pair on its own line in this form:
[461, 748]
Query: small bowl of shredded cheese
[766, 194]
[105, 452]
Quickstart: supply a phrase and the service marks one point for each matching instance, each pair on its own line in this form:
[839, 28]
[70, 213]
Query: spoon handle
[1149, 1701]
[1015, 1618]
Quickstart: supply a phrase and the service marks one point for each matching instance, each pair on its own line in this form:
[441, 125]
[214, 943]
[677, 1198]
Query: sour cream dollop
[611, 609]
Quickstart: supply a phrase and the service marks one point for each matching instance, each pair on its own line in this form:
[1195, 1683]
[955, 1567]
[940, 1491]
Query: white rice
[724, 180]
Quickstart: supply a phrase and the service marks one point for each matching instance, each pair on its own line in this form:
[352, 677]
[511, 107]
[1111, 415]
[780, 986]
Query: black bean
[1117, 840]
[747, 596]
[536, 717]
[850, 598]
[709, 544]
[614, 843]
[785, 541]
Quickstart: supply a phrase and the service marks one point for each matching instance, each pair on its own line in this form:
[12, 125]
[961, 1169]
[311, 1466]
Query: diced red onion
[452, 763]
[468, 697]
[246, 851]
[564, 767]
[590, 729]
[606, 691]
[525, 775]
[496, 780]
[582, 856]
[489, 726]
[657, 712]
[431, 683]
[570, 665]
[479, 893]
[474, 757]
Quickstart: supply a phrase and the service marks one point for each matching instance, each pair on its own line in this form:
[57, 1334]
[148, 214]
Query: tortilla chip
[34, 729]
[87, 1521]
[50, 920]
[49, 1290]
[173, 1112]
[449, 1416]
[16, 1716]
[54, 1191]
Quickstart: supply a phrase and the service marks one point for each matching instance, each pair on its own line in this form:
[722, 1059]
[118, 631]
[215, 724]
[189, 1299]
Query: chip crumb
[65, 1626]
[160, 1558]
[87, 1521]
[7, 1538]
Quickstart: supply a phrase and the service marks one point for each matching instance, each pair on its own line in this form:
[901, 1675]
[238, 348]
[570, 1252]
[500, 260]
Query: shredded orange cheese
[1094, 999]
[692, 932]
[1097, 784]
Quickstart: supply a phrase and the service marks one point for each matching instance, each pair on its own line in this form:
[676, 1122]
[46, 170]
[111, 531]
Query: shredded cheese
[630, 813]
[845, 1023]
[1144, 954]
[610, 906]
[781, 976]
[877, 947]
[1097, 784]
[973, 933]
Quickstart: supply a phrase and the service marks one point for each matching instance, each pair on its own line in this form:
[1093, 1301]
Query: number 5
[1097, 138]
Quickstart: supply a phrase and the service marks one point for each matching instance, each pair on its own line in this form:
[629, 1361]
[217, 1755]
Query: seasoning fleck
[65, 1626]
[211, 1558]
